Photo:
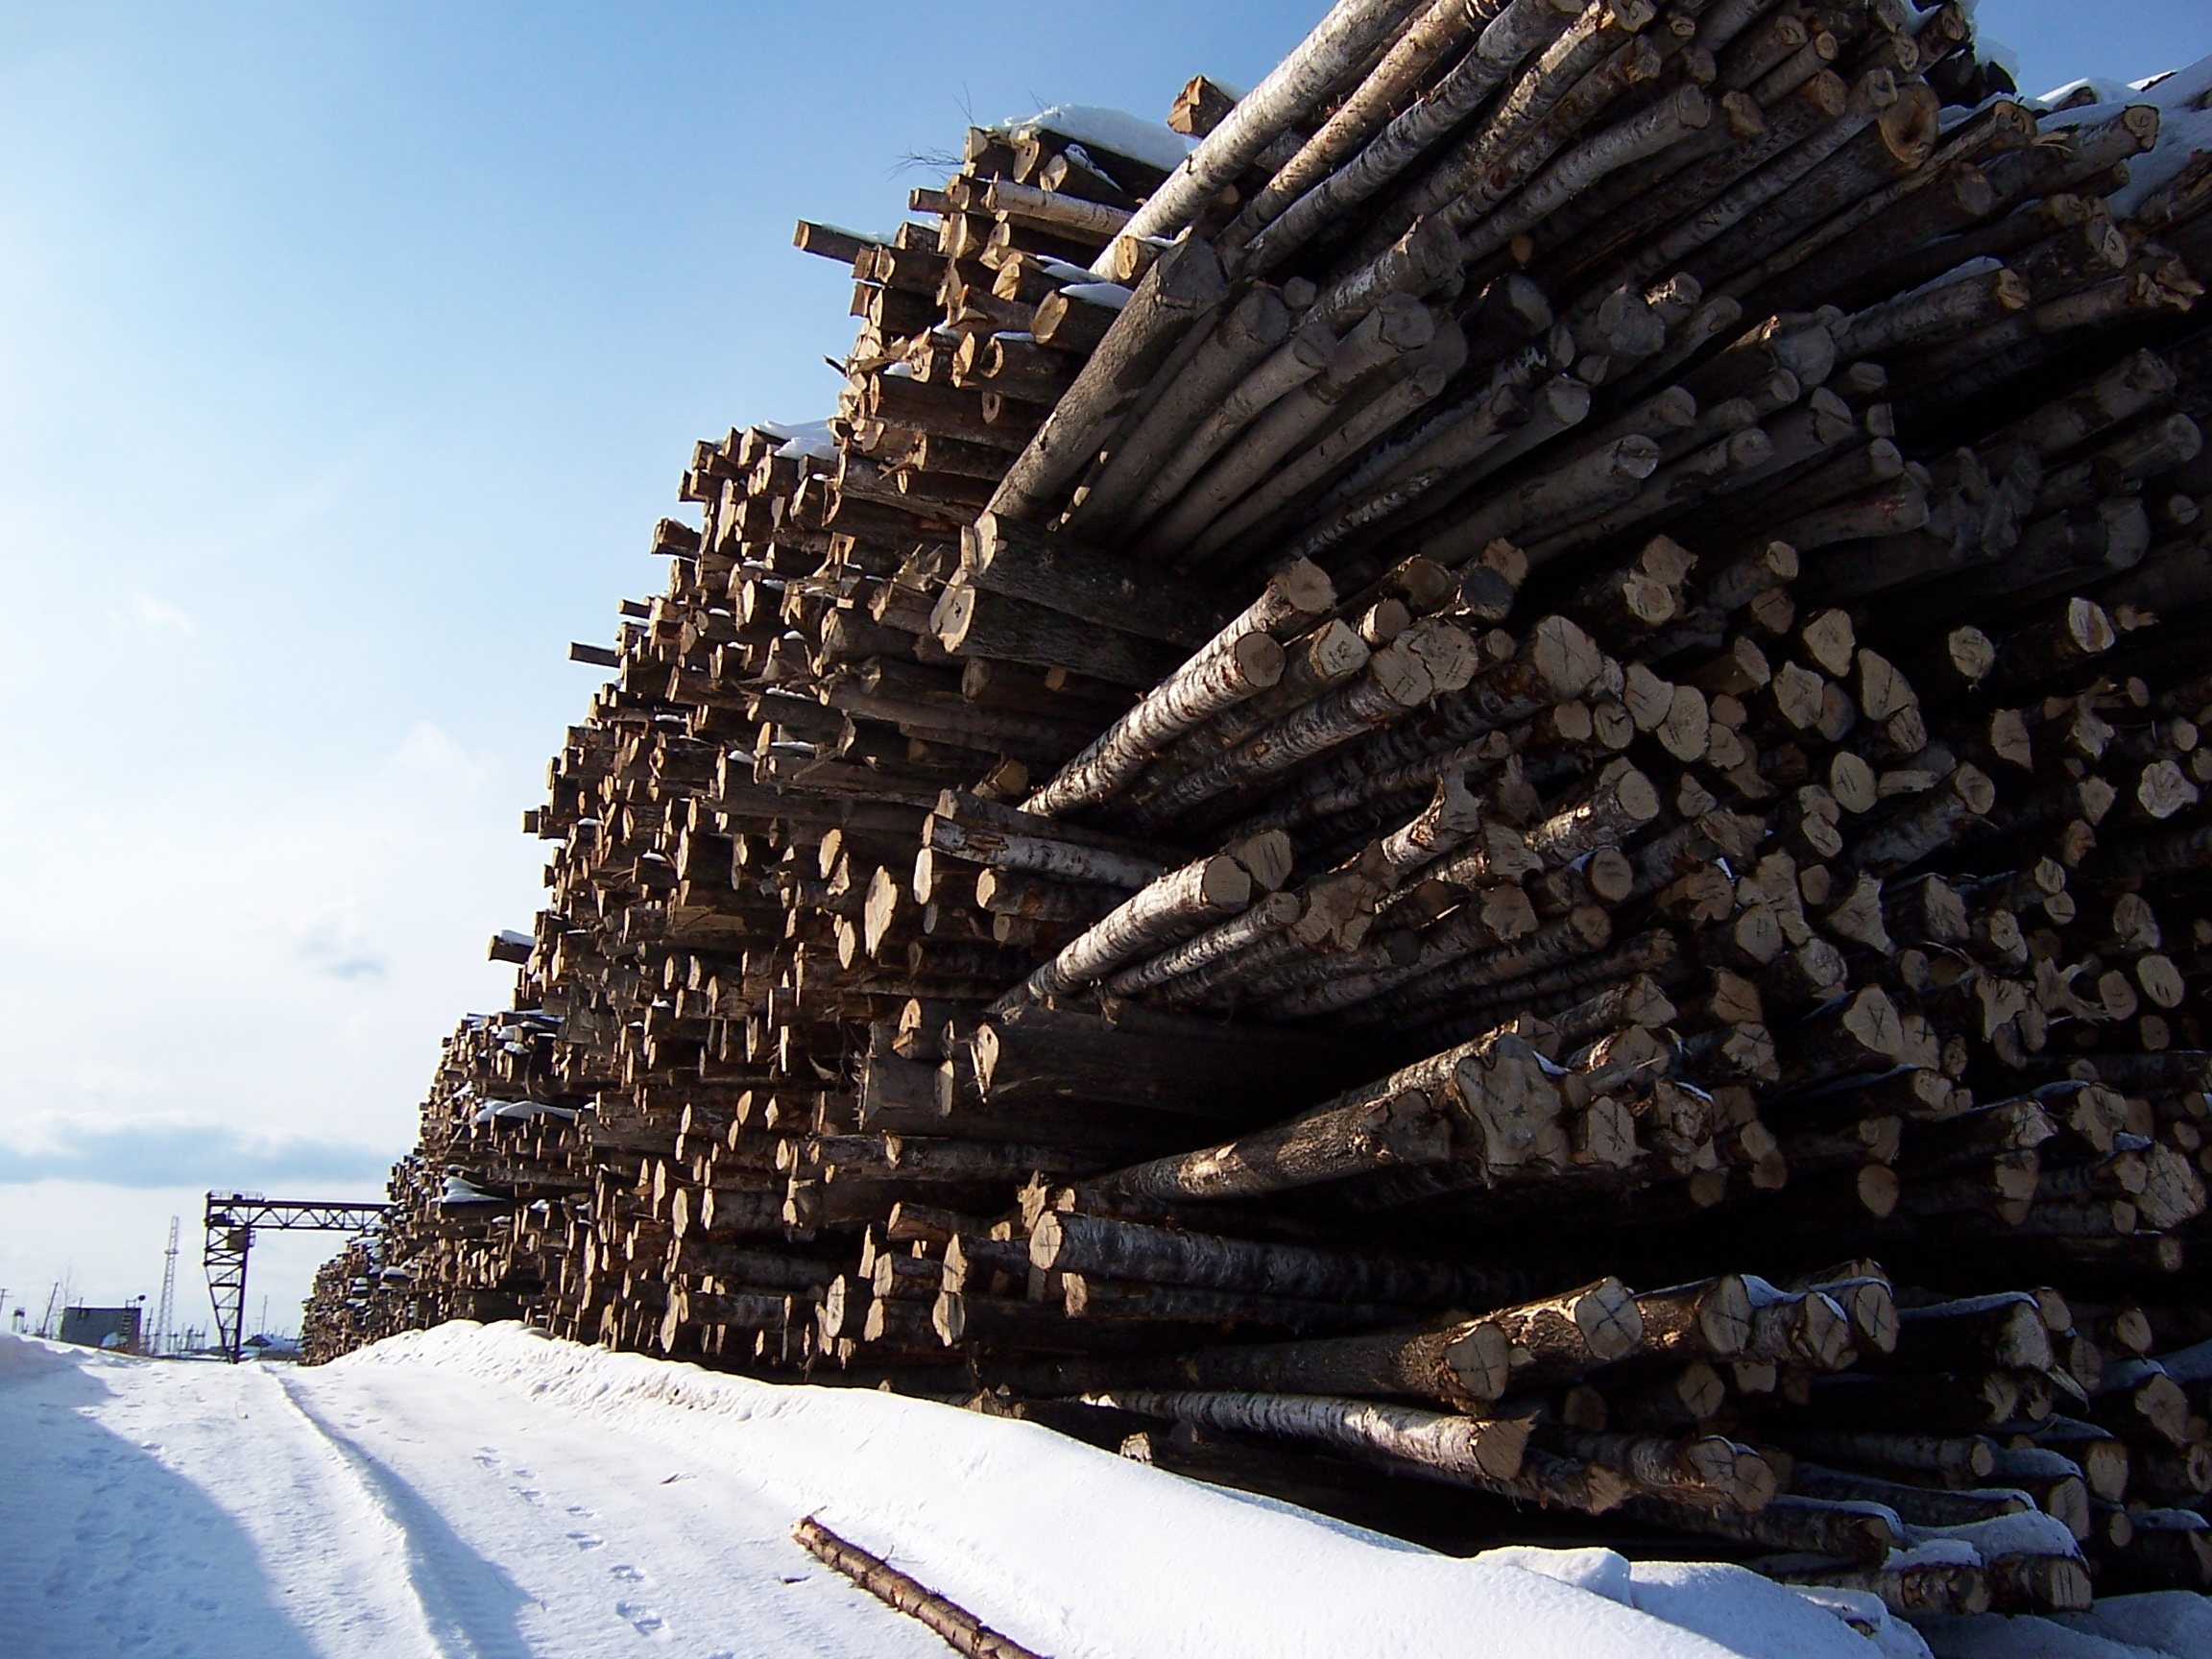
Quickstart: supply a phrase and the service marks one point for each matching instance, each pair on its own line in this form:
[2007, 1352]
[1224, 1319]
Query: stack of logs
[1483, 803]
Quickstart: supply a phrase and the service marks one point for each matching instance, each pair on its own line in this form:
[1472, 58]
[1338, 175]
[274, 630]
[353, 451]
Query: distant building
[115, 1327]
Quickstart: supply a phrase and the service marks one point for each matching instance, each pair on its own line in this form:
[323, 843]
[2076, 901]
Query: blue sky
[347, 355]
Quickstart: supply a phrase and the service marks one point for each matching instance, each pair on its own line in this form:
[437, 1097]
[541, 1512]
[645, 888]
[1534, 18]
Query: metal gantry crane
[232, 1219]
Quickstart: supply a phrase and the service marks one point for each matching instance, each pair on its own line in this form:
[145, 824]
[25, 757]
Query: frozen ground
[477, 1491]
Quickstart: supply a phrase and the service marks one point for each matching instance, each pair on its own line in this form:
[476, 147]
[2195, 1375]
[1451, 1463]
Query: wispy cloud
[146, 616]
[165, 1153]
[333, 942]
[429, 749]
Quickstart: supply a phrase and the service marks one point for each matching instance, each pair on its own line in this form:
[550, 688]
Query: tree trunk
[1485, 1451]
[1349, 1141]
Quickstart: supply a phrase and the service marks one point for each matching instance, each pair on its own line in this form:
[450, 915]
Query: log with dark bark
[963, 1632]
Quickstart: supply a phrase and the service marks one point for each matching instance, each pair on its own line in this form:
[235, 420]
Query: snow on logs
[1498, 780]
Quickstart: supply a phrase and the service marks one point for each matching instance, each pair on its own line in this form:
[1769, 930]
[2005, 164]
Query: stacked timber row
[1493, 784]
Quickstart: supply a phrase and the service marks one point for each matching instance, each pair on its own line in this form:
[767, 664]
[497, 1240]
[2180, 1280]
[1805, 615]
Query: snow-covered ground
[485, 1491]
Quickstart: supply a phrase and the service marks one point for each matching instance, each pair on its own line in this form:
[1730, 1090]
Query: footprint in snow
[628, 1572]
[585, 1541]
[528, 1494]
[582, 1509]
[642, 1618]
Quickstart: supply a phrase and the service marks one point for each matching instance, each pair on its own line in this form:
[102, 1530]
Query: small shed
[114, 1327]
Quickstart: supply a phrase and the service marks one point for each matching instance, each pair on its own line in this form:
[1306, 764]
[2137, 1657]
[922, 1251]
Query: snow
[1734, 1606]
[2127, 1373]
[1746, 1612]
[2105, 95]
[2163, 1624]
[1991, 50]
[1601, 1572]
[460, 1193]
[812, 439]
[489, 1491]
[1935, 1552]
[2171, 1620]
[2188, 1366]
[2181, 98]
[1115, 131]
[2028, 1532]
[190, 1509]
[2039, 1460]
[1111, 295]
[520, 1111]
[2171, 1519]
[1865, 1611]
[1993, 1636]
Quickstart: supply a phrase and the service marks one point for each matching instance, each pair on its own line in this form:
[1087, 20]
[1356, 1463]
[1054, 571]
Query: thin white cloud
[332, 941]
[429, 749]
[150, 617]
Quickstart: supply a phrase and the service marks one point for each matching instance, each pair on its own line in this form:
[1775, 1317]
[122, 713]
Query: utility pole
[161, 1343]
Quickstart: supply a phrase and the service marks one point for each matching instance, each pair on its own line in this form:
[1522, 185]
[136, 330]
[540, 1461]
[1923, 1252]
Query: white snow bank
[1601, 1572]
[1078, 1553]
[1747, 1614]
[1993, 1636]
[23, 1356]
[1733, 1605]
[2172, 1622]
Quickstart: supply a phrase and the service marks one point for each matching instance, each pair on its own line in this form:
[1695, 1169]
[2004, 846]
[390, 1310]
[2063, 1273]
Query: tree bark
[1242, 660]
[1172, 906]
[1306, 1152]
[1266, 918]
[976, 622]
[1295, 86]
[1180, 288]
[1255, 326]
[1008, 557]
[962, 1631]
[1112, 1249]
[1488, 1451]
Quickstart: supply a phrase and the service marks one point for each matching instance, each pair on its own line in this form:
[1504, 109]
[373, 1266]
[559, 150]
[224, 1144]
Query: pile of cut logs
[1482, 802]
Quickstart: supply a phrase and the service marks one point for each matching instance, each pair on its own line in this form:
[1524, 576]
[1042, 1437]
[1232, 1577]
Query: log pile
[1493, 784]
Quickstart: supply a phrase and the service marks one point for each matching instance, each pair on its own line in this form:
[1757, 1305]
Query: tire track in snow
[464, 1605]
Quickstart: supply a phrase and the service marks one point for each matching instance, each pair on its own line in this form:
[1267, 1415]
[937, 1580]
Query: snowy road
[488, 1493]
[195, 1509]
